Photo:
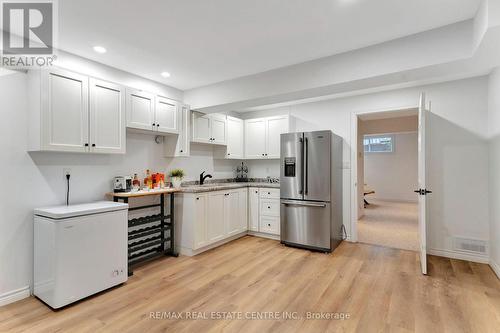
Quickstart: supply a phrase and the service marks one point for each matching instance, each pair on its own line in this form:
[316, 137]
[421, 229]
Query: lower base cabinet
[210, 217]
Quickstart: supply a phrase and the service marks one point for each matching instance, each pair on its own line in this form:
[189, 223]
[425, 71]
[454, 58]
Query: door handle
[303, 203]
[301, 187]
[422, 191]
[306, 166]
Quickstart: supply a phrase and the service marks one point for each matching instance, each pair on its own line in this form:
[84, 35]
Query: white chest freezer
[79, 250]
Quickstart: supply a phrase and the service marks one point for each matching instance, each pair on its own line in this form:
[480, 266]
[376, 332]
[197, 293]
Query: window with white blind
[378, 143]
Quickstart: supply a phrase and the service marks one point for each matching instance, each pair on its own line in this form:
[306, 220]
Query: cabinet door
[65, 112]
[253, 209]
[275, 127]
[218, 129]
[232, 213]
[255, 138]
[243, 209]
[182, 148]
[215, 222]
[166, 116]
[140, 110]
[107, 117]
[234, 138]
[200, 223]
[201, 127]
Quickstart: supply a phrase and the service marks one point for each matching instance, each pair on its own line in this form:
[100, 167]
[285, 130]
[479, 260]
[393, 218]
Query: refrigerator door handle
[301, 188]
[306, 171]
[303, 203]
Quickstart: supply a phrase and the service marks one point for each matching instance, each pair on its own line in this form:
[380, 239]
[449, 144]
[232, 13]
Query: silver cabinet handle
[303, 203]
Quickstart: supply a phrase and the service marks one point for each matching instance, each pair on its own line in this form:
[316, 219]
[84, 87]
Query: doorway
[388, 172]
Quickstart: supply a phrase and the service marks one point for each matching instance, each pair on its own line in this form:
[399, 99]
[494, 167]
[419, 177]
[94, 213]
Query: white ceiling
[206, 41]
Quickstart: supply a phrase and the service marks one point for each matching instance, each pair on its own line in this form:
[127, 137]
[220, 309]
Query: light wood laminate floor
[380, 288]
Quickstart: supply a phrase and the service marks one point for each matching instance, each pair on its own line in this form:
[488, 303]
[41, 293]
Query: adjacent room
[250, 166]
[389, 164]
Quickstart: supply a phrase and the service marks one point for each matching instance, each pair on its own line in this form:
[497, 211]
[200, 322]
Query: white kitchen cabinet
[253, 209]
[218, 129]
[107, 117]
[70, 112]
[275, 127]
[269, 224]
[209, 128]
[232, 212]
[200, 220]
[179, 146]
[140, 110]
[235, 138]
[255, 138]
[216, 229]
[58, 111]
[166, 116]
[262, 136]
[150, 113]
[243, 209]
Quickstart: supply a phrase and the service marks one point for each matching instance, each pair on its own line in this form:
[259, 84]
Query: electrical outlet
[66, 171]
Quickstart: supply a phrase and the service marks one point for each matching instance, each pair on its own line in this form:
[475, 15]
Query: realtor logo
[29, 33]
[27, 27]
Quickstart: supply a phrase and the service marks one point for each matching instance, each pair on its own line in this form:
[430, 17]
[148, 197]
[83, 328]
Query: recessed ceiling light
[99, 49]
[165, 74]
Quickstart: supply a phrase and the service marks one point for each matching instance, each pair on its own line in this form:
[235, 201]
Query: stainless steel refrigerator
[311, 190]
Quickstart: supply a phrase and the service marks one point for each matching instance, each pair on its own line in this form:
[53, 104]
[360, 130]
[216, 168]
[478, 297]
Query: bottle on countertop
[148, 181]
[136, 183]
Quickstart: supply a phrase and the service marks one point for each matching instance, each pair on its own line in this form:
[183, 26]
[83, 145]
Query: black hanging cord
[67, 189]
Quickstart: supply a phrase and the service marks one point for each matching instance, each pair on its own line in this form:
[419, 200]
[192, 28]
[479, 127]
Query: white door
[255, 138]
[243, 209]
[232, 213]
[200, 221]
[234, 138]
[253, 209]
[201, 127]
[275, 127]
[166, 115]
[422, 190]
[65, 111]
[215, 222]
[140, 110]
[182, 148]
[218, 129]
[107, 117]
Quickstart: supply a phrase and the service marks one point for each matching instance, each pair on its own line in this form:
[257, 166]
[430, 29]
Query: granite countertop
[221, 185]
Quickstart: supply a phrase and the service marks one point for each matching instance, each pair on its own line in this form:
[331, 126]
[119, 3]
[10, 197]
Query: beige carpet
[391, 224]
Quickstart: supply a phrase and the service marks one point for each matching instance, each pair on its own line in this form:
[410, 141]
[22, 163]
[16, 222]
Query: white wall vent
[470, 245]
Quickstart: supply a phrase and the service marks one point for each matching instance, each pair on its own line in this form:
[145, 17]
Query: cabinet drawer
[270, 207]
[270, 225]
[269, 193]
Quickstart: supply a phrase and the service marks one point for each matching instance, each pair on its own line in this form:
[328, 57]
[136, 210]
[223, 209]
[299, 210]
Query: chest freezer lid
[62, 212]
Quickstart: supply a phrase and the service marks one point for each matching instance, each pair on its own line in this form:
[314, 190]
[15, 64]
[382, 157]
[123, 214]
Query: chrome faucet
[203, 177]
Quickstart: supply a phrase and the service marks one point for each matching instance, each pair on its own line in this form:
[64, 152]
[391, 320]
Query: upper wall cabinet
[179, 145]
[107, 117]
[262, 136]
[209, 128]
[235, 138]
[67, 114]
[151, 113]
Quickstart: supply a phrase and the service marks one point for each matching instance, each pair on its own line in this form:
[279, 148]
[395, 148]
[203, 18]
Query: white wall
[394, 176]
[458, 158]
[494, 149]
[31, 180]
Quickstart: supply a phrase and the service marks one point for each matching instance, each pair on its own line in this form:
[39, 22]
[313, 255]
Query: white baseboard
[190, 252]
[263, 235]
[495, 267]
[482, 259]
[14, 295]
